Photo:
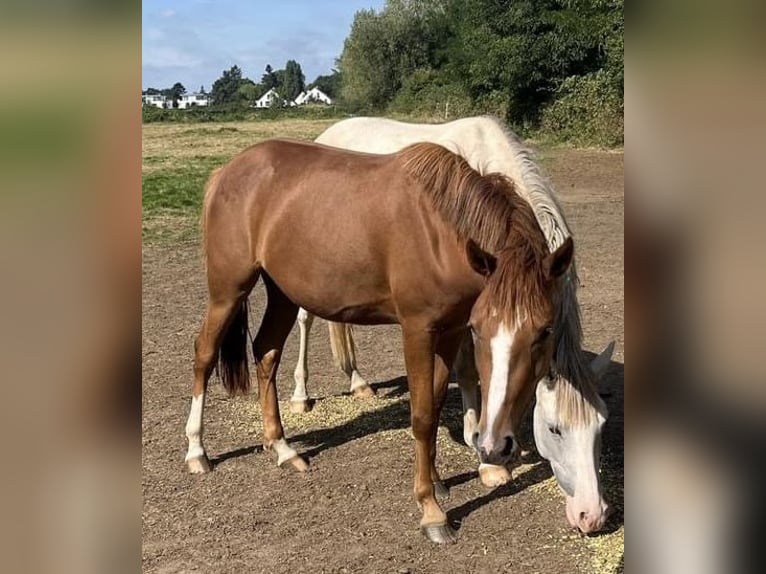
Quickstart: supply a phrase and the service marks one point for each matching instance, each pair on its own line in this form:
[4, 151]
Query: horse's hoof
[440, 489]
[297, 463]
[199, 465]
[439, 533]
[492, 475]
[364, 392]
[299, 407]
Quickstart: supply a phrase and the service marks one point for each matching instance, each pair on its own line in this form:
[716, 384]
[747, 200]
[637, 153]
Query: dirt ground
[354, 511]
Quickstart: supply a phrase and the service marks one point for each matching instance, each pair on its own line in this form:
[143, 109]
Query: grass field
[178, 158]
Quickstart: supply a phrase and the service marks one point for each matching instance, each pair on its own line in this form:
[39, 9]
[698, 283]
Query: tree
[384, 48]
[279, 80]
[269, 79]
[175, 93]
[226, 87]
[202, 90]
[248, 92]
[294, 82]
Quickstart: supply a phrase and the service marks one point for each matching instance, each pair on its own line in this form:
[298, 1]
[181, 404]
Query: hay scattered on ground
[605, 551]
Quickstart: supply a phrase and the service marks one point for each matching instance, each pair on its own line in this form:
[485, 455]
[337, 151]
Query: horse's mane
[577, 397]
[486, 209]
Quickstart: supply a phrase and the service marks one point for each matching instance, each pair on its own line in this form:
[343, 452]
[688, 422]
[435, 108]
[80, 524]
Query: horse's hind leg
[299, 402]
[344, 353]
[276, 325]
[221, 309]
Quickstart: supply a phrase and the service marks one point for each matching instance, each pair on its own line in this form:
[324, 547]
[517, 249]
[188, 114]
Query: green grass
[177, 191]
[172, 199]
[178, 159]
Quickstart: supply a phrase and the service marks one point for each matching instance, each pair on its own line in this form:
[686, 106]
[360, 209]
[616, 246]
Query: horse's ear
[480, 261]
[558, 262]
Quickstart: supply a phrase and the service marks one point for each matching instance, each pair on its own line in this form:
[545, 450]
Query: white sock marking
[283, 450]
[194, 428]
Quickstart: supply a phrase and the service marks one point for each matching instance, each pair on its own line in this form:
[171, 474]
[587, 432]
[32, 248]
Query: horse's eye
[544, 334]
[555, 430]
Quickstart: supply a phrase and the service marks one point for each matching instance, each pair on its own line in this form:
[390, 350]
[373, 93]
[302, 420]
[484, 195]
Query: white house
[191, 100]
[268, 99]
[312, 96]
[156, 100]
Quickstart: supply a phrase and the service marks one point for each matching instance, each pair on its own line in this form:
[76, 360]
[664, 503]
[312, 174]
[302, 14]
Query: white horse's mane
[577, 397]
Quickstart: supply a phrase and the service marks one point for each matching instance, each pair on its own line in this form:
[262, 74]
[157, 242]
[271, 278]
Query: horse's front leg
[419, 347]
[468, 380]
[446, 349]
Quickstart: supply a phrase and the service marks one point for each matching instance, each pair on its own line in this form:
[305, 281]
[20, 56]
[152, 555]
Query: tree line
[555, 65]
[234, 90]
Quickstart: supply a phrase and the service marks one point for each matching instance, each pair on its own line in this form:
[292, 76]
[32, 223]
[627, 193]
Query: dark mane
[487, 210]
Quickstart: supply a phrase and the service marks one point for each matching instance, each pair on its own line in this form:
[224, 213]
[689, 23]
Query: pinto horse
[417, 238]
[569, 414]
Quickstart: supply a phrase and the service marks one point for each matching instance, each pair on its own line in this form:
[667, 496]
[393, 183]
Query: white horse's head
[567, 430]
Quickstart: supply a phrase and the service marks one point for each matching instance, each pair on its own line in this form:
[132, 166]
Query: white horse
[569, 414]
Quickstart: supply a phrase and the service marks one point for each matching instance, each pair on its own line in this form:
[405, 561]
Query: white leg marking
[357, 380]
[194, 428]
[470, 423]
[283, 450]
[500, 346]
[469, 391]
[305, 320]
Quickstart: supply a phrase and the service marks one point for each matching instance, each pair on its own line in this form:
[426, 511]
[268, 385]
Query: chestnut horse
[440, 247]
[569, 414]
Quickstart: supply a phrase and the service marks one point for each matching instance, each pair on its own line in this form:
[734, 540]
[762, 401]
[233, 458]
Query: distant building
[192, 100]
[269, 99]
[314, 95]
[156, 100]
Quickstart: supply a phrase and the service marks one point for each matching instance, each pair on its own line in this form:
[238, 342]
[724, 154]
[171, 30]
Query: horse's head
[567, 429]
[511, 323]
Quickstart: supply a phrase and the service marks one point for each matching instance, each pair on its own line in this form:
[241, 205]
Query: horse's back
[288, 191]
[477, 139]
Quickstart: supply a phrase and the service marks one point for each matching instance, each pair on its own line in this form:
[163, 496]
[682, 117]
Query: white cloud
[169, 57]
[168, 13]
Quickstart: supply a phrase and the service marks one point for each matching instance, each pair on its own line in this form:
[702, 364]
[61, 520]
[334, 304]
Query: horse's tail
[342, 345]
[233, 367]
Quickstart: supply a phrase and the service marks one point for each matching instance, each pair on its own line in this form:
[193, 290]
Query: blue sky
[193, 41]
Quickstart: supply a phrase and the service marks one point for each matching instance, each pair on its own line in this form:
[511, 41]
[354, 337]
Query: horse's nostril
[508, 448]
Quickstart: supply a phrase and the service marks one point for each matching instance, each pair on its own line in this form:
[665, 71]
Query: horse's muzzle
[495, 453]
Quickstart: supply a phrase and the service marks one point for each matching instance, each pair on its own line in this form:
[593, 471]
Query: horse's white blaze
[500, 347]
[283, 450]
[194, 428]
